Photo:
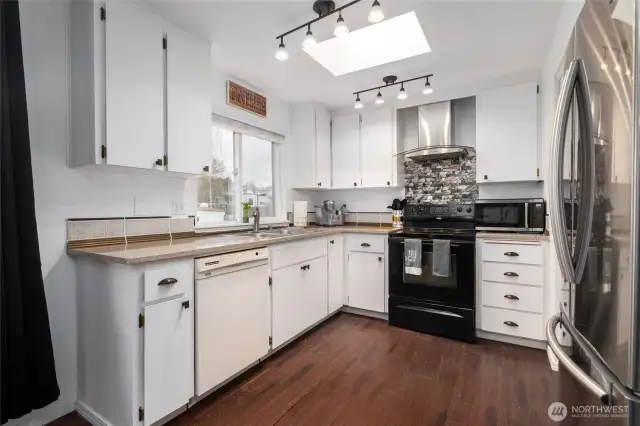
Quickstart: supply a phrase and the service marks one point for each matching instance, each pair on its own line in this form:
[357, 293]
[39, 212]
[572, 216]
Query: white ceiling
[472, 41]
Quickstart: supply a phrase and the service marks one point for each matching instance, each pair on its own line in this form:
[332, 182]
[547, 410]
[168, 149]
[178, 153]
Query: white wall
[372, 200]
[61, 193]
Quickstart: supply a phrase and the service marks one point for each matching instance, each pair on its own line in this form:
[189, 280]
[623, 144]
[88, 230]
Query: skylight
[388, 41]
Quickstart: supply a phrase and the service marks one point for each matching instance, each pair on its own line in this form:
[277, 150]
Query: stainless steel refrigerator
[594, 214]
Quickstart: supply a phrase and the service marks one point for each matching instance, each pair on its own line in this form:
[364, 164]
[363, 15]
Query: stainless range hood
[435, 136]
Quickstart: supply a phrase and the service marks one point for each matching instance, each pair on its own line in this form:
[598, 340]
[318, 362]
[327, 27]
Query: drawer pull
[510, 323]
[511, 254]
[332, 242]
[168, 281]
[365, 245]
[379, 259]
[305, 267]
[511, 297]
[511, 274]
[186, 304]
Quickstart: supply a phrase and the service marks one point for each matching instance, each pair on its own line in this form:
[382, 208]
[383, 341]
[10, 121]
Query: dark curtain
[28, 373]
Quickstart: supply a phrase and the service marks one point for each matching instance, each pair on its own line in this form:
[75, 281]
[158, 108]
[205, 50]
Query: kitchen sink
[275, 233]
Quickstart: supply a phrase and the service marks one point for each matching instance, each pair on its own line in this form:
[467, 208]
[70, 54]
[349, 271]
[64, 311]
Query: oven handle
[430, 311]
[429, 243]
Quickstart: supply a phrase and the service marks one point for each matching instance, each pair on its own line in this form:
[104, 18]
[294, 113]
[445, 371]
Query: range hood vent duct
[435, 139]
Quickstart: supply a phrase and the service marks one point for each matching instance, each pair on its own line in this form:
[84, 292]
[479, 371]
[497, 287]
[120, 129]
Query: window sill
[219, 227]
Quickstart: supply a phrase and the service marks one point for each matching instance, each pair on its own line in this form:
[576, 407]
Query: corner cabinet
[507, 134]
[139, 89]
[368, 139]
[366, 272]
[135, 340]
[311, 146]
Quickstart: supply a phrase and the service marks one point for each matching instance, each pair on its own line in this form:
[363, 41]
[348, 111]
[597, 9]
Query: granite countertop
[136, 253]
[507, 236]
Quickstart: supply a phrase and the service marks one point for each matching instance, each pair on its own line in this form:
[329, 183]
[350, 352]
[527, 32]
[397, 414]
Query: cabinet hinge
[538, 172]
[165, 160]
[164, 43]
[538, 88]
[140, 414]
[270, 281]
[140, 321]
[270, 341]
[103, 14]
[103, 151]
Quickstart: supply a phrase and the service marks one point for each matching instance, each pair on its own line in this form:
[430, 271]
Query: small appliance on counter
[397, 209]
[523, 215]
[327, 215]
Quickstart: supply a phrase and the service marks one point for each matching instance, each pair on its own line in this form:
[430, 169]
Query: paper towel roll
[300, 213]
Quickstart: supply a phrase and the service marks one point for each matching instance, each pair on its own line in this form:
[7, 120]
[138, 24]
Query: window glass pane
[215, 189]
[257, 175]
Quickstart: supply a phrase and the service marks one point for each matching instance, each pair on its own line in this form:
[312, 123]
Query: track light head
[427, 88]
[379, 98]
[358, 104]
[281, 53]
[402, 94]
[341, 27]
[309, 39]
[376, 14]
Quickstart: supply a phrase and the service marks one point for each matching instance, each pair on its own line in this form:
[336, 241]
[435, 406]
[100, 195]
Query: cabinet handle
[186, 304]
[305, 267]
[365, 245]
[332, 242]
[355, 184]
[205, 169]
[379, 259]
[510, 323]
[511, 297]
[511, 274]
[159, 162]
[511, 254]
[168, 281]
[486, 177]
[319, 183]
[388, 183]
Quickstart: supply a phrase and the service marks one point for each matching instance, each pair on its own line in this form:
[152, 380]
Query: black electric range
[424, 301]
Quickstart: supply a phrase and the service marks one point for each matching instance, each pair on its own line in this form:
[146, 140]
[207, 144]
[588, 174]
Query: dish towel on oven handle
[441, 258]
[412, 256]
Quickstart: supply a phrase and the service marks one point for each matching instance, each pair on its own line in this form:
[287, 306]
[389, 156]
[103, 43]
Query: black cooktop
[437, 220]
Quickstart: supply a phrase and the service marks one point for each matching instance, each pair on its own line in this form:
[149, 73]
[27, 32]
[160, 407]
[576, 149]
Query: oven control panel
[440, 211]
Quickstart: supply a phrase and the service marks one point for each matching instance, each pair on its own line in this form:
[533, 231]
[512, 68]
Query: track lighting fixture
[402, 94]
[341, 28]
[379, 98]
[358, 104]
[376, 14]
[391, 80]
[309, 39]
[281, 53]
[427, 88]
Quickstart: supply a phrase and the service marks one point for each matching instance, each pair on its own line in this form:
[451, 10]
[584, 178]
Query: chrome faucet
[255, 212]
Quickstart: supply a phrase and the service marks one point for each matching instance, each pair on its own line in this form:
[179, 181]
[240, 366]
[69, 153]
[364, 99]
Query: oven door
[501, 216]
[458, 289]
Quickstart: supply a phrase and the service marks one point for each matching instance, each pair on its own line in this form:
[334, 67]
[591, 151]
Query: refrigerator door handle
[586, 171]
[573, 368]
[556, 162]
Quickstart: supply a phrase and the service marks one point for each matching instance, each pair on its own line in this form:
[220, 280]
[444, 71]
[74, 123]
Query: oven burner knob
[460, 209]
[468, 209]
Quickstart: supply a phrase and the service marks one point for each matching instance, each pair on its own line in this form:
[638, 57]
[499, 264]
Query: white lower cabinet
[168, 357]
[335, 250]
[366, 272]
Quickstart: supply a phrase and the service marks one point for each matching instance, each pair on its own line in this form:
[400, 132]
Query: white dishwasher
[233, 319]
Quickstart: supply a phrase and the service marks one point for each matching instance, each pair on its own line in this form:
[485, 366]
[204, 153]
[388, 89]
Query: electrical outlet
[177, 207]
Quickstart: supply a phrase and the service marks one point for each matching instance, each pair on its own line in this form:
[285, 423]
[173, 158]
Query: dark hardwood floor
[359, 371]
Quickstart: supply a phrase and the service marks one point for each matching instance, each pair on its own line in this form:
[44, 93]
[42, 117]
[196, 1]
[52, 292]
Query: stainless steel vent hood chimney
[435, 138]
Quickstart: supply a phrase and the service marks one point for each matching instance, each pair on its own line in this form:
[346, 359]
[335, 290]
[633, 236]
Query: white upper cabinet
[135, 103]
[134, 86]
[507, 136]
[311, 146]
[345, 156]
[376, 147]
[188, 102]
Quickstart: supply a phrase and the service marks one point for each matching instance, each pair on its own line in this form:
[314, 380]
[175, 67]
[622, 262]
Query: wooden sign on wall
[245, 99]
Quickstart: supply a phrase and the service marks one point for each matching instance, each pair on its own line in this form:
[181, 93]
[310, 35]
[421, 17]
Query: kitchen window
[241, 171]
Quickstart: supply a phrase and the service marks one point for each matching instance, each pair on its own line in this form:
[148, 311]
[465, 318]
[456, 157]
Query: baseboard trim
[535, 344]
[89, 415]
[366, 313]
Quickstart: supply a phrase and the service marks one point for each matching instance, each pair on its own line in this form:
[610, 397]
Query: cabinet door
[315, 291]
[189, 137]
[336, 272]
[323, 148]
[302, 145]
[233, 324]
[345, 151]
[365, 281]
[507, 138]
[376, 148]
[134, 86]
[168, 358]
[288, 311]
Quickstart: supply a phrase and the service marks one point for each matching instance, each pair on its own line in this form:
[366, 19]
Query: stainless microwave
[525, 215]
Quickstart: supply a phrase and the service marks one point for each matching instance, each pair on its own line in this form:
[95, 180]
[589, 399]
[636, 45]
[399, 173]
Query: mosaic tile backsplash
[451, 180]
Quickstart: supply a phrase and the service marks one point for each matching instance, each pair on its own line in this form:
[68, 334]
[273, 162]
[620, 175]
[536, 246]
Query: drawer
[524, 324]
[367, 243]
[510, 296]
[503, 251]
[171, 279]
[512, 273]
[287, 254]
